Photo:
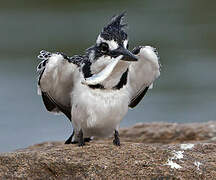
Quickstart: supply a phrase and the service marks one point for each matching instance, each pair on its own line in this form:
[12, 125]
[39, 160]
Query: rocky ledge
[148, 151]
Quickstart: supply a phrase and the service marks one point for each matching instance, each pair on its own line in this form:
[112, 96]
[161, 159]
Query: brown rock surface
[166, 133]
[145, 153]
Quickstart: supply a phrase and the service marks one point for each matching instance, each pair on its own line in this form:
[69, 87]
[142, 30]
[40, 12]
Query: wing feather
[134, 101]
[49, 104]
[142, 73]
[55, 81]
[53, 106]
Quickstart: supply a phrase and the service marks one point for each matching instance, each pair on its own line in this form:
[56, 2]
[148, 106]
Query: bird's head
[111, 48]
[112, 42]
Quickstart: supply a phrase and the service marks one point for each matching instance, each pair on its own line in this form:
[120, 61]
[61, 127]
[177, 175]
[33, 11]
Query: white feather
[102, 75]
[57, 79]
[125, 43]
[112, 44]
[98, 112]
[151, 86]
[143, 72]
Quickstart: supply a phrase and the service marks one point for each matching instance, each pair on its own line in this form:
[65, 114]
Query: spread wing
[56, 79]
[142, 73]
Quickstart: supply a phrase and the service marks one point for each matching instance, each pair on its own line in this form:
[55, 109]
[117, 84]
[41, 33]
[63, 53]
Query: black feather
[40, 76]
[136, 50]
[51, 104]
[87, 69]
[123, 80]
[115, 30]
[138, 98]
[121, 83]
[97, 86]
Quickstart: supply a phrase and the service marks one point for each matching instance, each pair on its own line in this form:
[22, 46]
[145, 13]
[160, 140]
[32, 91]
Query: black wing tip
[47, 102]
[135, 101]
[51, 104]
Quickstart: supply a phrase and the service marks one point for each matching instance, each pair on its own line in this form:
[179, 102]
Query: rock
[133, 159]
[165, 133]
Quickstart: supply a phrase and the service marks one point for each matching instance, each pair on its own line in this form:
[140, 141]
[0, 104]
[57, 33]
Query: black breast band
[121, 83]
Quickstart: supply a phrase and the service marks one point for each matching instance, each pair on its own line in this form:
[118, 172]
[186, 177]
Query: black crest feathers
[116, 23]
[115, 29]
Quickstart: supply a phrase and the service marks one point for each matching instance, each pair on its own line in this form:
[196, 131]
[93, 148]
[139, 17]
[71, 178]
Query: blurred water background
[184, 32]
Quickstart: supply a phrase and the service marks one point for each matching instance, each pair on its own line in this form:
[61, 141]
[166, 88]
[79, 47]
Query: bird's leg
[69, 140]
[80, 138]
[116, 140]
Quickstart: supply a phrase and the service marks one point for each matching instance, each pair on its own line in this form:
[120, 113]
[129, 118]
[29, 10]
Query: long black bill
[127, 55]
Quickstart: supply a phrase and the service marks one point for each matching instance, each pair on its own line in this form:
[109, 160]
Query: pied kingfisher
[96, 89]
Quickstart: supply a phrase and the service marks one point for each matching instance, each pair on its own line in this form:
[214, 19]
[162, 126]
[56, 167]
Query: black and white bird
[96, 89]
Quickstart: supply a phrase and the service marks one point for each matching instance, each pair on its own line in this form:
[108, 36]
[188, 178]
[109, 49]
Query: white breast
[98, 112]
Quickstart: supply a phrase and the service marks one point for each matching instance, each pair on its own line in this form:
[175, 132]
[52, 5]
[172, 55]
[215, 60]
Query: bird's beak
[127, 55]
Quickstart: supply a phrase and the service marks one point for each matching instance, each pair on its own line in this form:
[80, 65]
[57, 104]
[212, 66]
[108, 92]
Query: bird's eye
[104, 47]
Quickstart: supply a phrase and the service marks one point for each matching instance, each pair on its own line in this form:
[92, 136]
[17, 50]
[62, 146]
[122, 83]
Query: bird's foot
[87, 139]
[81, 144]
[69, 140]
[116, 140]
